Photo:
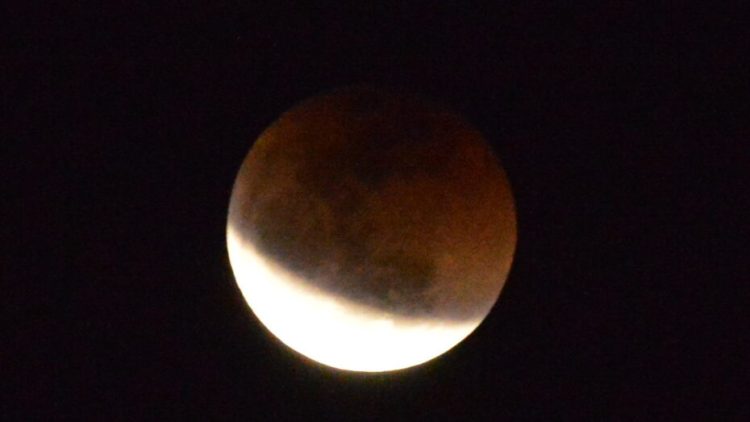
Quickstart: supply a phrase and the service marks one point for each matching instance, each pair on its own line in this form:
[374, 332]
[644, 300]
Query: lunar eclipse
[371, 231]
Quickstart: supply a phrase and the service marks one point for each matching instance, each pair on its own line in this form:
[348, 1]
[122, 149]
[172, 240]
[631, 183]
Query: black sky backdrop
[618, 124]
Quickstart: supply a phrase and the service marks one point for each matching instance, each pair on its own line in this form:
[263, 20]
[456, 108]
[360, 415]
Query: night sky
[618, 126]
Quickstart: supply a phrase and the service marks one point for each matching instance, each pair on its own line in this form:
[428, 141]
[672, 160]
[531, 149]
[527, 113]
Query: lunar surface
[371, 231]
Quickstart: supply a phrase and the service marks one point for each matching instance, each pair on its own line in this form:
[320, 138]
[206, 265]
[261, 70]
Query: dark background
[620, 126]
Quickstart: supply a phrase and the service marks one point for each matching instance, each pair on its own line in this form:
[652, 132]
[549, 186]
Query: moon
[370, 230]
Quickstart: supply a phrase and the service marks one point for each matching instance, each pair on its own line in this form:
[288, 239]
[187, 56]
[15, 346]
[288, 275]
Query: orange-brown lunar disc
[371, 231]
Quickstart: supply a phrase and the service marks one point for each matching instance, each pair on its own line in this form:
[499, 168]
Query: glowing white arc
[334, 331]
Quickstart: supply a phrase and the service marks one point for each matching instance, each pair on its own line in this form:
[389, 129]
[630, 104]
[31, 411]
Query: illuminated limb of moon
[332, 330]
